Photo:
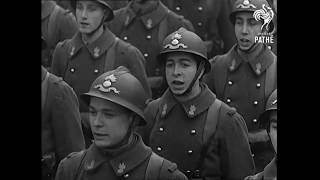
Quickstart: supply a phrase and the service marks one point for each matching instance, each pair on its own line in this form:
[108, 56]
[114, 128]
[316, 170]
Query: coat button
[96, 71]
[161, 129]
[269, 47]
[193, 132]
[258, 85]
[230, 83]
[126, 175]
[255, 120]
[199, 24]
[148, 37]
[125, 38]
[145, 54]
[178, 8]
[157, 72]
[252, 155]
[190, 152]
[197, 173]
[159, 149]
[255, 102]
[72, 70]
[200, 8]
[228, 100]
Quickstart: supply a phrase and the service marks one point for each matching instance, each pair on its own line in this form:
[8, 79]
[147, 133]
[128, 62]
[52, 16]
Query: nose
[96, 121]
[244, 29]
[176, 70]
[84, 14]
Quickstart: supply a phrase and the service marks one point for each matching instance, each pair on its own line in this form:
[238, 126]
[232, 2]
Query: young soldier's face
[246, 29]
[89, 15]
[109, 122]
[273, 129]
[180, 71]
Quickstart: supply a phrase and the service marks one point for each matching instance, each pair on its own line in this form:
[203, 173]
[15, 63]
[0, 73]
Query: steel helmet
[260, 8]
[102, 2]
[271, 105]
[183, 40]
[120, 87]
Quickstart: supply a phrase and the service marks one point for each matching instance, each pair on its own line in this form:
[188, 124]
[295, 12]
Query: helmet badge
[246, 5]
[175, 44]
[105, 87]
[266, 14]
[274, 102]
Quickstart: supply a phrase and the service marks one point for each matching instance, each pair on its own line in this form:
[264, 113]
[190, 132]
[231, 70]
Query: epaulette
[171, 166]
[74, 154]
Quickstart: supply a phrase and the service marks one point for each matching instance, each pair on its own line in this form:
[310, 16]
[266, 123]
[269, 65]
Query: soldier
[188, 125]
[57, 24]
[245, 76]
[269, 122]
[145, 23]
[61, 131]
[92, 51]
[210, 19]
[117, 152]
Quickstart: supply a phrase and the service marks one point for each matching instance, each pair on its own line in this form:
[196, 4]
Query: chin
[84, 31]
[102, 144]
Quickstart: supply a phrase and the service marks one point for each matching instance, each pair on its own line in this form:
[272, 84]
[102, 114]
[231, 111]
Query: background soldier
[269, 121]
[188, 125]
[92, 51]
[116, 101]
[246, 76]
[210, 19]
[57, 24]
[145, 23]
[61, 131]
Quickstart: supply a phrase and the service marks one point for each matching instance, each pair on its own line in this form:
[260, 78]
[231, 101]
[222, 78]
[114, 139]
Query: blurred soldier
[145, 23]
[117, 4]
[210, 19]
[245, 76]
[116, 101]
[57, 24]
[188, 125]
[61, 131]
[269, 121]
[92, 51]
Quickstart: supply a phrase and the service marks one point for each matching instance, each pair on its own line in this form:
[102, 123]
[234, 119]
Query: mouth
[100, 135]
[177, 83]
[84, 24]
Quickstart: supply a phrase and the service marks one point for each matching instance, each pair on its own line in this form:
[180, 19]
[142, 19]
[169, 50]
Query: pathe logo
[266, 14]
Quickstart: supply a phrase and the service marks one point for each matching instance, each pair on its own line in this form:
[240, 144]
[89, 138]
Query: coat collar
[259, 64]
[191, 107]
[151, 19]
[121, 163]
[43, 73]
[270, 171]
[96, 48]
[46, 8]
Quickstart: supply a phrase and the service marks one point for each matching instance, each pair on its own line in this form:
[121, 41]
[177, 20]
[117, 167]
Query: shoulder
[60, 87]
[128, 50]
[69, 165]
[153, 105]
[255, 177]
[179, 20]
[171, 169]
[230, 118]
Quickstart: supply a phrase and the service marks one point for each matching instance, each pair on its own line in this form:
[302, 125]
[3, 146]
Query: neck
[252, 53]
[89, 38]
[196, 90]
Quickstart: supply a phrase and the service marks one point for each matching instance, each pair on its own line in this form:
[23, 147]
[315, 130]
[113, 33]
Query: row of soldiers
[186, 123]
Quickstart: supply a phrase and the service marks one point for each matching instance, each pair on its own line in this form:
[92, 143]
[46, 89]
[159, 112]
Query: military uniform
[242, 84]
[145, 26]
[176, 132]
[128, 162]
[61, 131]
[210, 19]
[57, 24]
[80, 64]
[269, 172]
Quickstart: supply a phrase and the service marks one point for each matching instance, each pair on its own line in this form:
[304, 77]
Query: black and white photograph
[159, 89]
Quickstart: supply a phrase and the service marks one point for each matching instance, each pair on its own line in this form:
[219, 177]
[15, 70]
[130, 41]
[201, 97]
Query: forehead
[91, 3]
[178, 56]
[244, 15]
[103, 104]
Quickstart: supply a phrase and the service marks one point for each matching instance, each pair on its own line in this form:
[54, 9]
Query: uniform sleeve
[66, 122]
[58, 60]
[136, 65]
[235, 153]
[67, 26]
[68, 167]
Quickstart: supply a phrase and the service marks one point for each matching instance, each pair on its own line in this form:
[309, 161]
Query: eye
[92, 8]
[169, 64]
[253, 22]
[107, 114]
[238, 22]
[79, 6]
[92, 112]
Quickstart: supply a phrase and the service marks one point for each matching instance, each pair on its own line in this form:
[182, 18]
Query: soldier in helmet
[188, 124]
[268, 120]
[116, 100]
[57, 24]
[246, 76]
[94, 49]
[145, 23]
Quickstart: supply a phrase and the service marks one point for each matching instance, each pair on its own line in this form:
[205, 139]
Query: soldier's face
[180, 71]
[109, 122]
[246, 29]
[89, 15]
[273, 129]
